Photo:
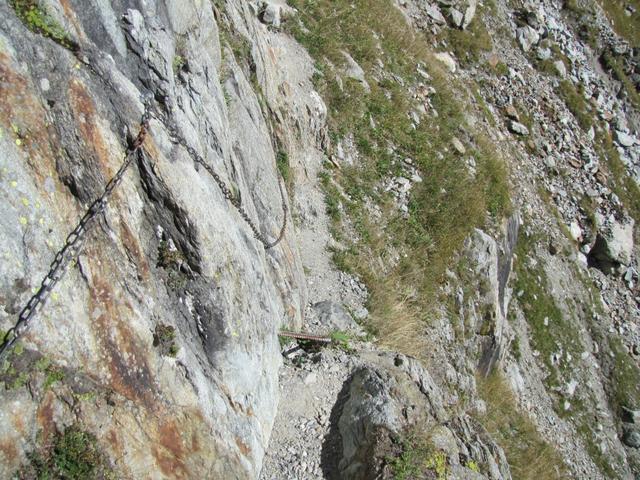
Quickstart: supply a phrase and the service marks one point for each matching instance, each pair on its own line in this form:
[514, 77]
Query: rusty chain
[235, 200]
[73, 242]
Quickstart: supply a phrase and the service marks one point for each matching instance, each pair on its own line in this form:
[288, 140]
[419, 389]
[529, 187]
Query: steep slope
[458, 186]
[160, 341]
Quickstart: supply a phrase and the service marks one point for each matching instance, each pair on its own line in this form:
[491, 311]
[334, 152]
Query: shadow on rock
[332, 444]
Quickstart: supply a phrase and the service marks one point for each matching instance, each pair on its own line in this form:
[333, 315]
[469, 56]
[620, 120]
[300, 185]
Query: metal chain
[228, 194]
[73, 243]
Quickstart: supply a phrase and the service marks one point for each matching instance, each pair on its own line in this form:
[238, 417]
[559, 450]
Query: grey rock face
[206, 413]
[389, 397]
[333, 316]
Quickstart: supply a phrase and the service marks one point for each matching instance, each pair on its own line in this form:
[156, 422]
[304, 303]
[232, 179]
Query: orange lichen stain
[134, 252]
[114, 441]
[9, 451]
[244, 449]
[18, 423]
[71, 16]
[272, 55]
[170, 453]
[22, 113]
[85, 113]
[130, 375]
[45, 417]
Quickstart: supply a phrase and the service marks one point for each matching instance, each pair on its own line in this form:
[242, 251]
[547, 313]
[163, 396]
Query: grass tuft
[529, 456]
[38, 20]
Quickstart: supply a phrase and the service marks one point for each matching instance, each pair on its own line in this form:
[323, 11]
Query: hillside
[320, 239]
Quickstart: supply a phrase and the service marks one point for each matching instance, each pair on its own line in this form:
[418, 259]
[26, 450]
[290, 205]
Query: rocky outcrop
[485, 309]
[393, 401]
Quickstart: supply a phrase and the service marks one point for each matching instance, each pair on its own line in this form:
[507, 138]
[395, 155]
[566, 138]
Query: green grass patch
[620, 182]
[418, 459]
[551, 333]
[574, 99]
[38, 20]
[529, 456]
[449, 202]
[615, 66]
[72, 455]
[627, 26]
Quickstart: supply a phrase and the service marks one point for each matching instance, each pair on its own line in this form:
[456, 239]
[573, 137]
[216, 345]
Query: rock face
[170, 249]
[485, 310]
[393, 395]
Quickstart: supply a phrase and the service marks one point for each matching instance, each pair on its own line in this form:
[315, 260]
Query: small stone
[575, 231]
[560, 68]
[512, 113]
[447, 60]
[44, 84]
[458, 146]
[434, 12]
[518, 128]
[543, 53]
[624, 139]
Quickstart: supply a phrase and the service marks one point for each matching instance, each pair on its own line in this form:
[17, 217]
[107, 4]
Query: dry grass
[444, 207]
[626, 26]
[529, 456]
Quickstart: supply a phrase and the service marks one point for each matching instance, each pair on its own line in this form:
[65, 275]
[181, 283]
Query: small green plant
[341, 340]
[164, 338]
[53, 375]
[282, 162]
[473, 466]
[178, 63]
[72, 455]
[40, 21]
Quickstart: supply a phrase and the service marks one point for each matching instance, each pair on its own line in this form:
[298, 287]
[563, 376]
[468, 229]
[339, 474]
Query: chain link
[73, 243]
[228, 194]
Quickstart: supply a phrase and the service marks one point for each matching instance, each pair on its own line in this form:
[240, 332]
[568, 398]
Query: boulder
[354, 70]
[469, 13]
[270, 14]
[631, 437]
[457, 17]
[624, 139]
[518, 128]
[333, 316]
[436, 15]
[527, 37]
[613, 246]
